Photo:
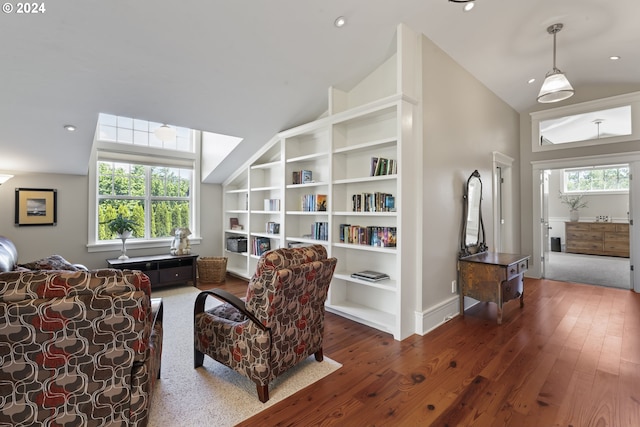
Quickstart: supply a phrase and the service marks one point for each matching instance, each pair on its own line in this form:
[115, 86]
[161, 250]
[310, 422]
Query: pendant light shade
[556, 86]
[165, 133]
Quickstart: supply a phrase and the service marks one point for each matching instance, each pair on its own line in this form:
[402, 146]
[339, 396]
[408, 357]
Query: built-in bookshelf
[361, 149]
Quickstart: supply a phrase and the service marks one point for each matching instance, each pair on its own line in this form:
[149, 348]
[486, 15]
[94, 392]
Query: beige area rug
[211, 395]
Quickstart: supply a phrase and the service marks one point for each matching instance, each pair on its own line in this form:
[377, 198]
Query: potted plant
[575, 203]
[123, 227]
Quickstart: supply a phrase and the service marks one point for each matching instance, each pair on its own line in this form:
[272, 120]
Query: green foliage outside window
[123, 189]
[615, 178]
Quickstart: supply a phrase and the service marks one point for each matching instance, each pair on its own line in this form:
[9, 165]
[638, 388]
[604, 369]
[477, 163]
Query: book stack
[373, 202]
[314, 202]
[370, 235]
[370, 276]
[382, 166]
[302, 177]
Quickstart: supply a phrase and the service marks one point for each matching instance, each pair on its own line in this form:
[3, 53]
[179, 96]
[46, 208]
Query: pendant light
[165, 133]
[556, 87]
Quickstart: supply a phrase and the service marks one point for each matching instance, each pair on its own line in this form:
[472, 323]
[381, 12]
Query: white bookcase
[338, 150]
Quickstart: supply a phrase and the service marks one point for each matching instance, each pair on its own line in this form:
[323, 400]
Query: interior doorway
[579, 253]
[502, 210]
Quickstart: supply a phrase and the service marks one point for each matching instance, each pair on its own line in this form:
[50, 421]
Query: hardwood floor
[570, 357]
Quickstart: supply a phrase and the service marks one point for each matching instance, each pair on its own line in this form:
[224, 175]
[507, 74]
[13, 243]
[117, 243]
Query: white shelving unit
[338, 150]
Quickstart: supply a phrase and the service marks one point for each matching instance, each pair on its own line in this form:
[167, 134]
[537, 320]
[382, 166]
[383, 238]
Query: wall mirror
[472, 239]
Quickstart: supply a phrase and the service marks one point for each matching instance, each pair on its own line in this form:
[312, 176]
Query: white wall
[69, 237]
[464, 123]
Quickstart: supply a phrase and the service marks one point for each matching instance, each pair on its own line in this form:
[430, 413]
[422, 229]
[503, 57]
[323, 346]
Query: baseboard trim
[437, 315]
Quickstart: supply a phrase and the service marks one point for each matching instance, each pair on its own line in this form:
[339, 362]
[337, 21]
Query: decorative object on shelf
[472, 237]
[556, 86]
[575, 203]
[234, 224]
[180, 244]
[36, 206]
[165, 133]
[273, 227]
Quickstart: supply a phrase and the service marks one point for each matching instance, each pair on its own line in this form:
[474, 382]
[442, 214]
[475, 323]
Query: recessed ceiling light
[340, 21]
[531, 81]
[614, 57]
[468, 6]
[70, 128]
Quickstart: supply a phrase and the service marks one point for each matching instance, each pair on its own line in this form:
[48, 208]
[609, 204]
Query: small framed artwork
[36, 206]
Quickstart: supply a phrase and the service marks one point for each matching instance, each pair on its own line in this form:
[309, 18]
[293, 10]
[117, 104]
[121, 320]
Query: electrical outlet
[454, 287]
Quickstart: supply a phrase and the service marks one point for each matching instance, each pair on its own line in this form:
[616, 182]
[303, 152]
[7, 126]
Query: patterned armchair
[280, 323]
[77, 348]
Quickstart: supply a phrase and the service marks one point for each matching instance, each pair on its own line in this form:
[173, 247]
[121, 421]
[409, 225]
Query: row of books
[373, 202]
[369, 235]
[272, 205]
[261, 245]
[302, 177]
[382, 166]
[314, 202]
[319, 231]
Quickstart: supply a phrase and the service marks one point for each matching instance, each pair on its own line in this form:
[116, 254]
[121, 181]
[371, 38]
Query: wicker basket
[212, 269]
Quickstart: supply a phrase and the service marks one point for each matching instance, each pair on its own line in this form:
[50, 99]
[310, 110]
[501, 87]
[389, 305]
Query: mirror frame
[480, 246]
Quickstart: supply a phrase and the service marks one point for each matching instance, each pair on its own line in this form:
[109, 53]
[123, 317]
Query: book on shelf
[373, 202]
[383, 166]
[306, 176]
[273, 227]
[385, 237]
[314, 202]
[370, 275]
[272, 204]
[261, 245]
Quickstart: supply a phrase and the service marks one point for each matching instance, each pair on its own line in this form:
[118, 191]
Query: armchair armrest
[228, 298]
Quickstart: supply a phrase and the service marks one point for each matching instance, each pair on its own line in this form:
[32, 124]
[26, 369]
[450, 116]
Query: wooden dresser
[492, 277]
[163, 270]
[597, 238]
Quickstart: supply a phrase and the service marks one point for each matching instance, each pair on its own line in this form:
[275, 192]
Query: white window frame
[113, 151]
[563, 182]
[630, 99]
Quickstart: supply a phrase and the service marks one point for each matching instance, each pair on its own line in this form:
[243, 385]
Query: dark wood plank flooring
[570, 357]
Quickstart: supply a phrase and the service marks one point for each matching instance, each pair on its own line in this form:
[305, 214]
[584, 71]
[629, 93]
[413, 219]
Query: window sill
[116, 245]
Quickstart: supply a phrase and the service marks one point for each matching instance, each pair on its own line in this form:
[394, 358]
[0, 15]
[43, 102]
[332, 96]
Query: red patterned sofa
[280, 323]
[77, 348]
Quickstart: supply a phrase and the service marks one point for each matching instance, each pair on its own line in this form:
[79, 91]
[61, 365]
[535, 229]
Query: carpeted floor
[590, 269]
[212, 395]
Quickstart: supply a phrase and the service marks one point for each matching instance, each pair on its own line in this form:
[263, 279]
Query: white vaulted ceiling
[252, 68]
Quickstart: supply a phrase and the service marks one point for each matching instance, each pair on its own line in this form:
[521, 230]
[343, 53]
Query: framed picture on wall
[36, 206]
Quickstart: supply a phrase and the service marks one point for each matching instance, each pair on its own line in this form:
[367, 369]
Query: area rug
[212, 395]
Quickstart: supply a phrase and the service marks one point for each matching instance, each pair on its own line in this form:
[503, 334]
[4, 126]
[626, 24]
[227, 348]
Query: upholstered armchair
[279, 323]
[77, 348]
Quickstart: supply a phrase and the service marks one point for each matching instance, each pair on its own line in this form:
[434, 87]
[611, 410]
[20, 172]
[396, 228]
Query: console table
[163, 270]
[492, 277]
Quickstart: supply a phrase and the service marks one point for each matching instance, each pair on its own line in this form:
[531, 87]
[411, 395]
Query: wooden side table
[492, 277]
[163, 270]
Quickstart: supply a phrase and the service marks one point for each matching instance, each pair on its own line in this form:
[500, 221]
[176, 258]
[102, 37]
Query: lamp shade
[165, 133]
[555, 88]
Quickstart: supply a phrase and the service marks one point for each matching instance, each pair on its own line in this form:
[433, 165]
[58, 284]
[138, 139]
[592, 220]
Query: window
[135, 174]
[157, 198]
[596, 179]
